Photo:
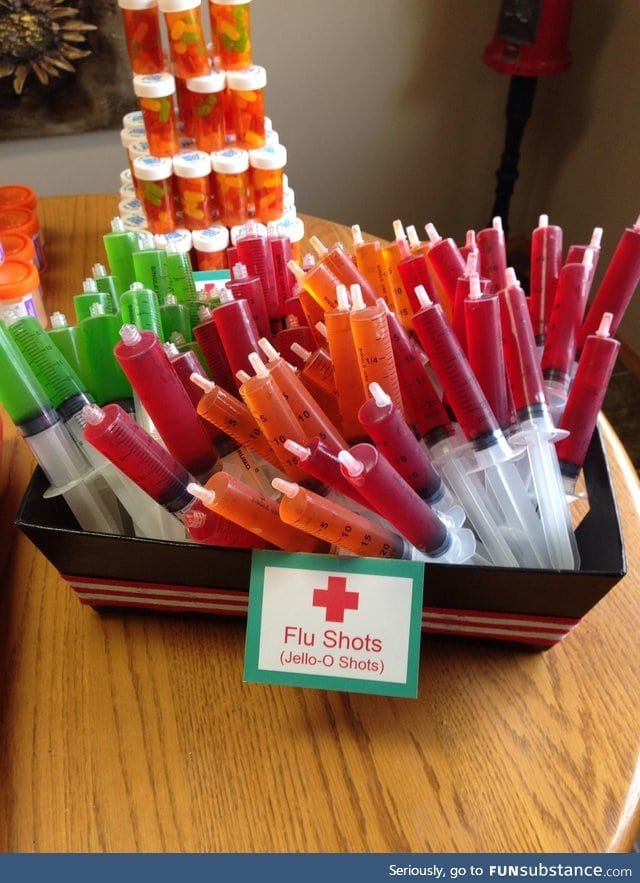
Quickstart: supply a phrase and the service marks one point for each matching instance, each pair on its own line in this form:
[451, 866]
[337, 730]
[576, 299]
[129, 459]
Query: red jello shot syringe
[585, 399]
[618, 285]
[149, 371]
[546, 260]
[493, 254]
[390, 496]
[447, 265]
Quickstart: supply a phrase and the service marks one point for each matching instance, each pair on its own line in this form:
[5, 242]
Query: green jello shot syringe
[174, 318]
[66, 469]
[107, 283]
[120, 245]
[69, 341]
[150, 266]
[139, 306]
[91, 295]
[107, 383]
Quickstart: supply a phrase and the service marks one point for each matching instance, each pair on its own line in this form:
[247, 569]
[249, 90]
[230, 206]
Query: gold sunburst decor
[40, 37]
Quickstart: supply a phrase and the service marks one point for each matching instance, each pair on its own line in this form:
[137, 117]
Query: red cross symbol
[335, 598]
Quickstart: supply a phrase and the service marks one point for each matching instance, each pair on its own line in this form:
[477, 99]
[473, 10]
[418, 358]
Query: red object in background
[531, 38]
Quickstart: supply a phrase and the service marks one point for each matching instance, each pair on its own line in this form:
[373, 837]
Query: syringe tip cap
[204, 313]
[470, 240]
[58, 320]
[130, 335]
[308, 261]
[587, 258]
[356, 232]
[412, 236]
[242, 376]
[297, 450]
[379, 396]
[423, 298]
[472, 262]
[510, 278]
[297, 270]
[177, 338]
[596, 237]
[318, 246]
[171, 349]
[258, 365]
[398, 230]
[381, 302]
[604, 328]
[353, 467]
[201, 493]
[474, 285]
[98, 270]
[636, 226]
[117, 225]
[89, 286]
[170, 300]
[543, 221]
[268, 348]
[93, 414]
[239, 271]
[496, 223]
[204, 383]
[357, 301]
[288, 488]
[432, 234]
[299, 350]
[342, 297]
[321, 328]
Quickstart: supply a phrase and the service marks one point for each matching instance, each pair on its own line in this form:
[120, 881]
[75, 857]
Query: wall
[388, 111]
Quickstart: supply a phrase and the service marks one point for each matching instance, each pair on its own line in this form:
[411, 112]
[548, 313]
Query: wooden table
[135, 732]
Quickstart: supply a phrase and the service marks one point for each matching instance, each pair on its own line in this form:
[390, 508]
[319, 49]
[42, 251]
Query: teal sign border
[414, 570]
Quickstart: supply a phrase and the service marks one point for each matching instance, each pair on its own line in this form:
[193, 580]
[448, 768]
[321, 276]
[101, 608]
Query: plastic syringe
[67, 471]
[249, 288]
[470, 244]
[617, 287]
[335, 524]
[392, 254]
[255, 254]
[70, 341]
[447, 265]
[397, 444]
[463, 286]
[374, 349]
[174, 317]
[484, 348]
[250, 509]
[370, 263]
[312, 419]
[585, 400]
[422, 406]
[281, 254]
[562, 332]
[318, 376]
[414, 271]
[392, 498]
[319, 281]
[107, 283]
[101, 332]
[82, 303]
[546, 260]
[208, 338]
[237, 330]
[155, 471]
[139, 306]
[346, 365]
[224, 411]
[343, 268]
[536, 431]
[154, 381]
[120, 245]
[576, 253]
[274, 417]
[493, 254]
[321, 462]
[481, 428]
[186, 364]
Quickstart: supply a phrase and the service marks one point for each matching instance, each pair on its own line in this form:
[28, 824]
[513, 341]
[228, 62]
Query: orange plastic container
[18, 196]
[186, 39]
[18, 247]
[231, 32]
[245, 91]
[155, 94]
[267, 170]
[22, 220]
[231, 171]
[210, 246]
[142, 35]
[20, 290]
[192, 173]
[207, 110]
[155, 177]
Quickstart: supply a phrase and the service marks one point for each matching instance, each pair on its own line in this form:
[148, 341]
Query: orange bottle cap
[18, 196]
[17, 247]
[17, 279]
[19, 220]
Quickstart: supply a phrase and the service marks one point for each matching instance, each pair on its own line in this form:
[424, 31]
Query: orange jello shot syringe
[351, 395]
[319, 281]
[370, 262]
[392, 255]
[343, 268]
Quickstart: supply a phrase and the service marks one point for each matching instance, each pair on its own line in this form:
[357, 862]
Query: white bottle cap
[242, 230]
[231, 161]
[192, 165]
[125, 177]
[130, 136]
[247, 80]
[134, 118]
[127, 191]
[140, 148]
[210, 83]
[270, 157]
[178, 5]
[152, 168]
[136, 223]
[130, 207]
[230, 2]
[291, 227]
[154, 85]
[212, 239]
[178, 241]
[271, 138]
